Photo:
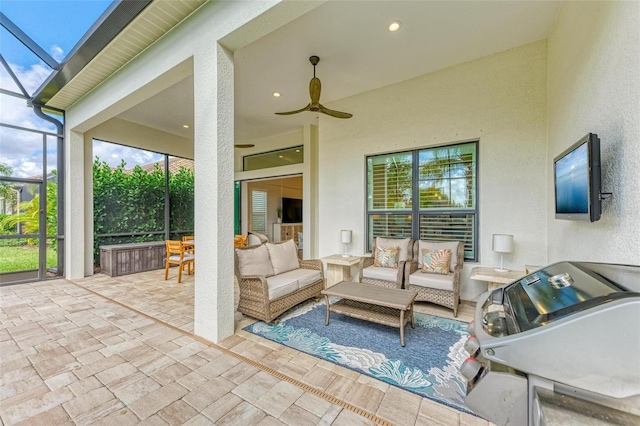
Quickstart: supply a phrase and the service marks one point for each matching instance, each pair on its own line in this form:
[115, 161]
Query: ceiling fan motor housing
[314, 93]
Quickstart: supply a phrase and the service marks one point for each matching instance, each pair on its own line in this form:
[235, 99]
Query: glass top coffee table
[382, 305]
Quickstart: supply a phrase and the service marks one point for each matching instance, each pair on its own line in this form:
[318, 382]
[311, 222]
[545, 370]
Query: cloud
[113, 154]
[23, 150]
[57, 53]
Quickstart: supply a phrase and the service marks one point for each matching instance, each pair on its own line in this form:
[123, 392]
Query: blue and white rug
[428, 365]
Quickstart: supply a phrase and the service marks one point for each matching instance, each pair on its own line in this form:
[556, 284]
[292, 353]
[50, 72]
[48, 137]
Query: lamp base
[501, 269]
[346, 255]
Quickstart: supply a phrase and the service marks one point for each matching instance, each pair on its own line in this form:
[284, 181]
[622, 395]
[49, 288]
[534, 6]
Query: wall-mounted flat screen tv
[291, 210]
[577, 179]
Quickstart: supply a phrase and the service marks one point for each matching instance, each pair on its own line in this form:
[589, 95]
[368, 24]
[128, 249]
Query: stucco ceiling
[357, 54]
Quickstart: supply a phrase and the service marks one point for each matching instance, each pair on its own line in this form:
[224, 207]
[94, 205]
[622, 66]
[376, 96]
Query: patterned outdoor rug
[428, 365]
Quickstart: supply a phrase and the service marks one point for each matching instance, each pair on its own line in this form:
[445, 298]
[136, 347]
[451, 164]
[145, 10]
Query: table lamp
[502, 243]
[345, 238]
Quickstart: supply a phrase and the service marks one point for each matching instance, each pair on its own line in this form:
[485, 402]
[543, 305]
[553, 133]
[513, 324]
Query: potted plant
[279, 214]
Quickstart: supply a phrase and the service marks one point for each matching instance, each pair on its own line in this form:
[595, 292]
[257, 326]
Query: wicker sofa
[272, 279]
[441, 289]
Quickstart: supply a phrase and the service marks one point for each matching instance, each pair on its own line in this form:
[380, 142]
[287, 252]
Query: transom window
[427, 194]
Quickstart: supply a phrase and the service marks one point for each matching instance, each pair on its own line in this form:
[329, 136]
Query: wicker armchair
[436, 288]
[386, 277]
[266, 295]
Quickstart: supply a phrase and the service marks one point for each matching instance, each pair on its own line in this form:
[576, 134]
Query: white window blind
[259, 211]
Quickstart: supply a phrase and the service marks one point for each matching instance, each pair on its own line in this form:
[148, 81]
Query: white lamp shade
[502, 243]
[345, 236]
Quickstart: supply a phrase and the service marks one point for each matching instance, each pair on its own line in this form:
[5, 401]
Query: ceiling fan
[314, 93]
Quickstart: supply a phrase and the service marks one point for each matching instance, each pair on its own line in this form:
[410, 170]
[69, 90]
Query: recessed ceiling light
[276, 94]
[395, 26]
[280, 156]
[186, 126]
[297, 150]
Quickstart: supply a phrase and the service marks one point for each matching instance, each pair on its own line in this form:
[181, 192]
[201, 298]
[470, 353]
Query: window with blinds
[443, 183]
[258, 211]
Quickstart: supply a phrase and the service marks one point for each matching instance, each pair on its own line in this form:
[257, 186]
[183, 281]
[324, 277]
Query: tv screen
[577, 180]
[291, 210]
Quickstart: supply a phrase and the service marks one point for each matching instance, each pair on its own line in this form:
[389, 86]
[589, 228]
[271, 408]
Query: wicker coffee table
[382, 305]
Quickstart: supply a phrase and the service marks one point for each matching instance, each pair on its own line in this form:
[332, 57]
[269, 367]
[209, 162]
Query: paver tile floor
[120, 350]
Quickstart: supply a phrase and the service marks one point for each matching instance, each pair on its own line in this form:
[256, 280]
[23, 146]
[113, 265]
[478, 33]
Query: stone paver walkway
[70, 356]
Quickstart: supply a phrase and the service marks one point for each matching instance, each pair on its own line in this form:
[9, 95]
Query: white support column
[88, 205]
[74, 246]
[310, 191]
[213, 155]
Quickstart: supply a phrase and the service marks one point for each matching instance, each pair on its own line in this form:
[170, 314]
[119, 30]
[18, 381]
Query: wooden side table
[339, 268]
[493, 277]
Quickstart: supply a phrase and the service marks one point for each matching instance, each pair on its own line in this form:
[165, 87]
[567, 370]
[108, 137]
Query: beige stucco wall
[499, 99]
[594, 86]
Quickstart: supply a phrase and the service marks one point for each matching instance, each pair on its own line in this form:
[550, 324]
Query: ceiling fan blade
[314, 90]
[333, 113]
[244, 145]
[295, 112]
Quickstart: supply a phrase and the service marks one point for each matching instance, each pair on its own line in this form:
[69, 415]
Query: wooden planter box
[123, 259]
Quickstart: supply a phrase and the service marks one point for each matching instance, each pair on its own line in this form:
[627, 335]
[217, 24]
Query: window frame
[415, 210]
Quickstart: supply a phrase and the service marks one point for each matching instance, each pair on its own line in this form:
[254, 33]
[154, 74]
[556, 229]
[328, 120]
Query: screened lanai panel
[181, 196]
[128, 201]
[21, 153]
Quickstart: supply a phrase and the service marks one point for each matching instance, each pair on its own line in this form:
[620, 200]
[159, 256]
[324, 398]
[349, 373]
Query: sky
[56, 26]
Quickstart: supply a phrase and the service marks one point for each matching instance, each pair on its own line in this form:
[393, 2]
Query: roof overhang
[122, 32]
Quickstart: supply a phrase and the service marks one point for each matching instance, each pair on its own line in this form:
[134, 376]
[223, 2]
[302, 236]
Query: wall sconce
[345, 238]
[502, 243]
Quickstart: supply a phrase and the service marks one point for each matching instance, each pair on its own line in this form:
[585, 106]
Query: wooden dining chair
[190, 248]
[177, 255]
[239, 241]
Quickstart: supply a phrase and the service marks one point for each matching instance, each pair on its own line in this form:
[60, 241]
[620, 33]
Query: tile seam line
[307, 388]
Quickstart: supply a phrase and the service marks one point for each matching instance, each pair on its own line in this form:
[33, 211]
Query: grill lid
[563, 288]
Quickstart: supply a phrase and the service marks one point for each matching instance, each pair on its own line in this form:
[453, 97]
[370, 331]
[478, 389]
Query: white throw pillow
[284, 256]
[262, 237]
[254, 261]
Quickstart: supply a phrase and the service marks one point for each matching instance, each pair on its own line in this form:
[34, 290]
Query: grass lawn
[23, 258]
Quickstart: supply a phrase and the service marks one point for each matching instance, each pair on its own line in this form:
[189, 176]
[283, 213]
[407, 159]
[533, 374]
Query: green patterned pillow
[436, 261]
[386, 257]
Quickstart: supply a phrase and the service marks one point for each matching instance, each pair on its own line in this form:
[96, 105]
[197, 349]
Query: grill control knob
[471, 328]
[470, 368]
[472, 345]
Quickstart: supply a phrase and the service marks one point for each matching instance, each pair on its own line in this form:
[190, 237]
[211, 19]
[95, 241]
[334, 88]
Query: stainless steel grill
[561, 343]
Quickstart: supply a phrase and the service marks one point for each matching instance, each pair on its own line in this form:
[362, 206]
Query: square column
[213, 155]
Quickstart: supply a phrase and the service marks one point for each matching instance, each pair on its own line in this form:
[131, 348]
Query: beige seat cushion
[284, 256]
[451, 245]
[186, 256]
[281, 285]
[254, 261]
[403, 243]
[305, 277]
[378, 273]
[437, 281]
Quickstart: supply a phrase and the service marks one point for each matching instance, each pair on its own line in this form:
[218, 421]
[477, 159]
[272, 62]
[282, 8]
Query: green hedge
[134, 201]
